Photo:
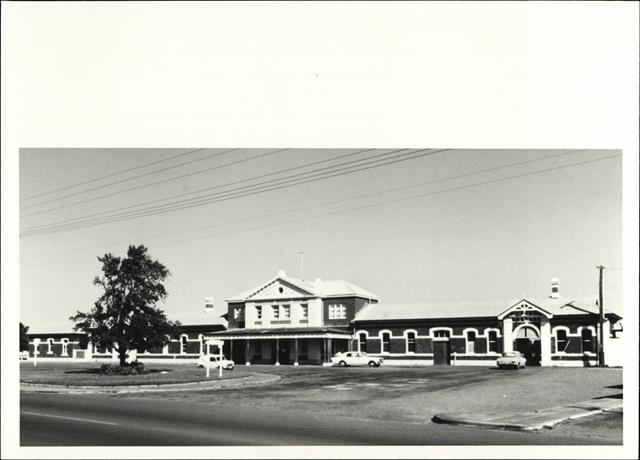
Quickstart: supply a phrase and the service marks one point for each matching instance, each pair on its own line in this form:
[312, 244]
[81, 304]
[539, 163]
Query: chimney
[555, 288]
[281, 273]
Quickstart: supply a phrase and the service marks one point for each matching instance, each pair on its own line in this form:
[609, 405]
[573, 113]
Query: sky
[408, 224]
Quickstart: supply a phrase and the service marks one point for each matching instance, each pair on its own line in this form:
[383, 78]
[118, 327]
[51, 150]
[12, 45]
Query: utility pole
[600, 320]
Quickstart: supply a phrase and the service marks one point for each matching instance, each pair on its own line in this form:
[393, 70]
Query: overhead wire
[130, 179]
[122, 171]
[193, 192]
[224, 196]
[372, 205]
[359, 197]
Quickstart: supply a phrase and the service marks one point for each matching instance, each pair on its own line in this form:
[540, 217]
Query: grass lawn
[72, 374]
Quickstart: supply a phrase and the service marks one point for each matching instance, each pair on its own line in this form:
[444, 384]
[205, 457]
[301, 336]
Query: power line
[190, 193]
[95, 179]
[359, 197]
[422, 195]
[223, 196]
[124, 180]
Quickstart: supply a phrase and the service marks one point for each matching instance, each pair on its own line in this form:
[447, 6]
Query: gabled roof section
[524, 305]
[317, 288]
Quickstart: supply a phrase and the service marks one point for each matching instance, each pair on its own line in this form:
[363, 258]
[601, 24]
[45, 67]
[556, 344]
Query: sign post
[36, 346]
[219, 344]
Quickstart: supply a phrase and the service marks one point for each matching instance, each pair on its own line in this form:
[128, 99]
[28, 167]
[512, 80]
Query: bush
[133, 368]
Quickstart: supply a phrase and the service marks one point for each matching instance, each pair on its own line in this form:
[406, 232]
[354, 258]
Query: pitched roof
[317, 288]
[566, 305]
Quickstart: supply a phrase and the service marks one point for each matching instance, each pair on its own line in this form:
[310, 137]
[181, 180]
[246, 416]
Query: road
[100, 420]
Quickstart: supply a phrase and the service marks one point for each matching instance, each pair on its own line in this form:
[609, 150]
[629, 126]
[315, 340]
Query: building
[286, 320]
[291, 321]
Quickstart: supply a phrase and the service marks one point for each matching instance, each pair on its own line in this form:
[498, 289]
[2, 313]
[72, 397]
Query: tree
[24, 340]
[125, 317]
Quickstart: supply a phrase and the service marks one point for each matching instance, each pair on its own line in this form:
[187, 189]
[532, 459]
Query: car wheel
[342, 364]
[372, 364]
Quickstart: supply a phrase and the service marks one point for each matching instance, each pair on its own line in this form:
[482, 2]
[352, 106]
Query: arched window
[471, 342]
[386, 342]
[561, 340]
[411, 342]
[588, 344]
[493, 341]
[362, 342]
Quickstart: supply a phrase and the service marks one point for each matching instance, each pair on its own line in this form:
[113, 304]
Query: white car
[215, 362]
[512, 359]
[356, 358]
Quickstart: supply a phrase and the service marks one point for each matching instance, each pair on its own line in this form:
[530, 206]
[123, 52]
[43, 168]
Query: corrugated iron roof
[565, 305]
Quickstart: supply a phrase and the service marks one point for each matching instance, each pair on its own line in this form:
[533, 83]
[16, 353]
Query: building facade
[289, 321]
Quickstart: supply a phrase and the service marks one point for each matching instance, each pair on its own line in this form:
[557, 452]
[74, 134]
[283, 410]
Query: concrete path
[212, 384]
[528, 421]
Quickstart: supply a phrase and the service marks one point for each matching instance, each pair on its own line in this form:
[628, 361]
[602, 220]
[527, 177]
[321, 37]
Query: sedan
[511, 359]
[356, 358]
[215, 362]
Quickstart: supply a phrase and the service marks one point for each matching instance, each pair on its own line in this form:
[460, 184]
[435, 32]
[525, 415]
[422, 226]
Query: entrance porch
[290, 346]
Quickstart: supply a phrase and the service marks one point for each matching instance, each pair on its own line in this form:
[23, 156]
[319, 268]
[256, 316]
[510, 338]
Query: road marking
[69, 418]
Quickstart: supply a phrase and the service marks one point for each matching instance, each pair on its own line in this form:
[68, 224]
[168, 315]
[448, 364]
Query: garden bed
[82, 374]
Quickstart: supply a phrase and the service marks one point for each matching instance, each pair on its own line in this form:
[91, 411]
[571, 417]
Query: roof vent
[555, 288]
[281, 273]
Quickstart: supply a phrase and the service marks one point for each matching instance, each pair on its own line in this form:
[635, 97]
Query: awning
[284, 333]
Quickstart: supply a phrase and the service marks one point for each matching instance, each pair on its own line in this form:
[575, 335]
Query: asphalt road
[100, 420]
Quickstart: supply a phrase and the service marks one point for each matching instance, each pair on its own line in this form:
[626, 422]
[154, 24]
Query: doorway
[282, 349]
[530, 349]
[441, 353]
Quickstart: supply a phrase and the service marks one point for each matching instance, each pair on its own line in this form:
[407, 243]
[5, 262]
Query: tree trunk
[122, 355]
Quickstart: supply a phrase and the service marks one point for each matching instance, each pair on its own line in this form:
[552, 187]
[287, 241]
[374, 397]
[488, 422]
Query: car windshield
[510, 354]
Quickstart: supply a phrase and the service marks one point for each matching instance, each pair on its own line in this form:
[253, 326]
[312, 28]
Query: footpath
[529, 421]
[212, 384]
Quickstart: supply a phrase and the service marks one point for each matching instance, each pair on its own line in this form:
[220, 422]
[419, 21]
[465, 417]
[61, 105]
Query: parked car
[511, 359]
[24, 355]
[356, 358]
[215, 362]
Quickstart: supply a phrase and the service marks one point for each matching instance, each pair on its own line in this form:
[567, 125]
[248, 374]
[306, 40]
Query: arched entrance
[526, 340]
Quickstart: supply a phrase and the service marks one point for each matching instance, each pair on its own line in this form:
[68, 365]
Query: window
[471, 342]
[258, 311]
[587, 341]
[286, 311]
[238, 314]
[411, 342]
[337, 311]
[493, 341]
[203, 345]
[183, 344]
[386, 340]
[276, 311]
[444, 334]
[362, 342]
[305, 311]
[561, 340]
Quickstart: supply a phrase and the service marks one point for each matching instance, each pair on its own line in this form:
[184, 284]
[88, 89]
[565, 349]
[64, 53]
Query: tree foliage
[126, 317]
[24, 340]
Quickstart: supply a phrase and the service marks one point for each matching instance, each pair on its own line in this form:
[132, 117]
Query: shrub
[133, 368]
